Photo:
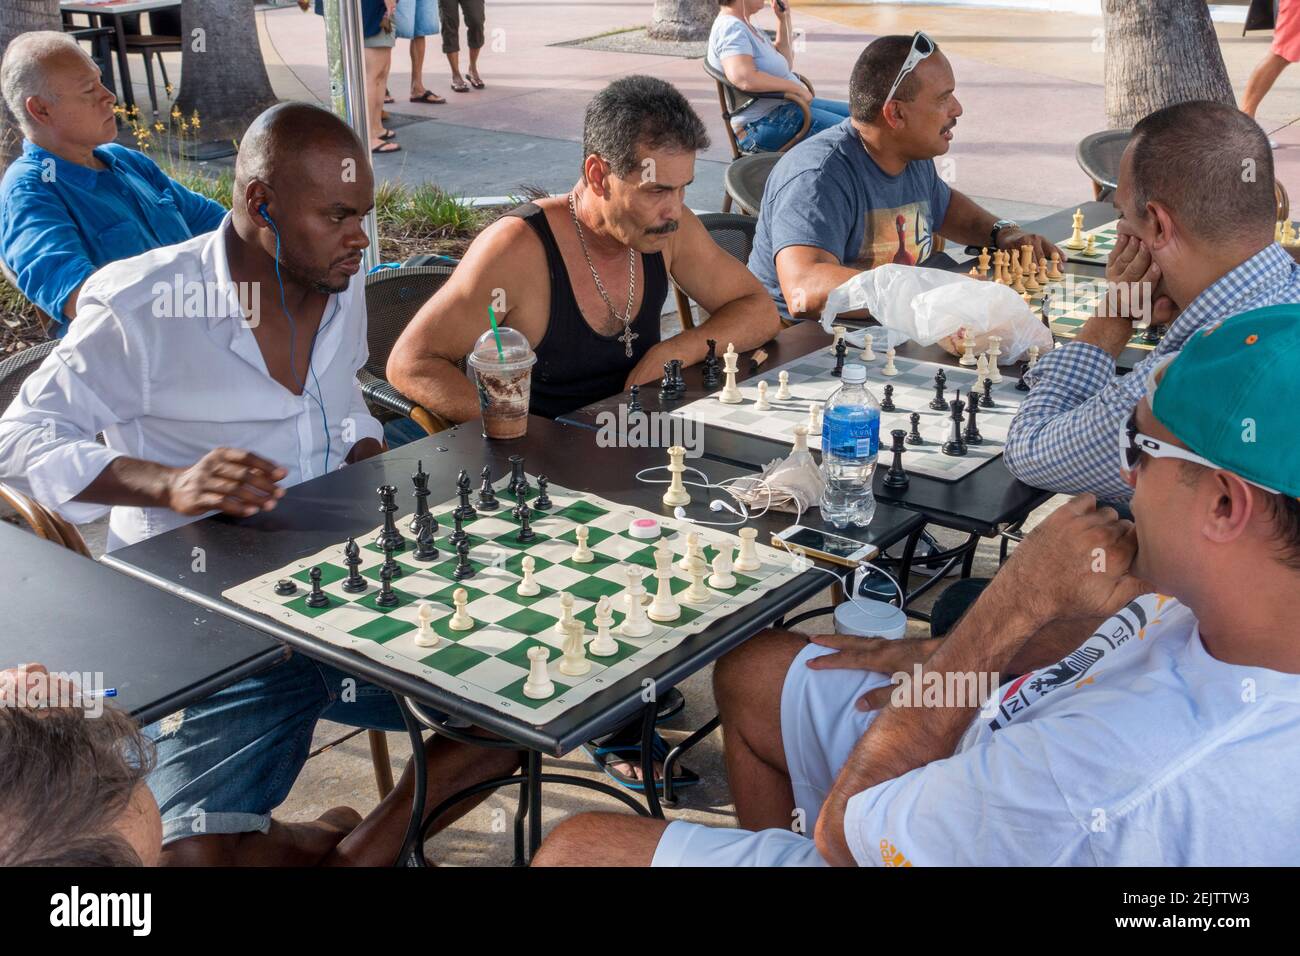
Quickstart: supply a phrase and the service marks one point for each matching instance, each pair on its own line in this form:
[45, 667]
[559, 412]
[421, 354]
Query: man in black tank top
[584, 276]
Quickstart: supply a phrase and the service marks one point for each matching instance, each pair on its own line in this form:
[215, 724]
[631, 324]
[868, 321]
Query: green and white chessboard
[489, 664]
[1073, 303]
[1104, 243]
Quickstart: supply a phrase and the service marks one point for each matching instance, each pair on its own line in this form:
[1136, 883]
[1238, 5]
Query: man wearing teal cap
[1168, 737]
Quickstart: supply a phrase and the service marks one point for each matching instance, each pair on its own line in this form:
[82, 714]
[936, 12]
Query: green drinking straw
[492, 317]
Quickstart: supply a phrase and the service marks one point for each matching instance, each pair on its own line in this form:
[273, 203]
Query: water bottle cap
[854, 374]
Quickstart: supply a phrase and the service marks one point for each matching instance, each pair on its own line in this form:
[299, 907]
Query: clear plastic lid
[514, 353]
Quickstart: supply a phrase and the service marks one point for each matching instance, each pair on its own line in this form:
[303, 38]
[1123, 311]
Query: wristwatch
[999, 226]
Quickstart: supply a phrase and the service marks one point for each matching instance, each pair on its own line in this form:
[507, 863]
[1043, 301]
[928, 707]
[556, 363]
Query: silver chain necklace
[626, 319]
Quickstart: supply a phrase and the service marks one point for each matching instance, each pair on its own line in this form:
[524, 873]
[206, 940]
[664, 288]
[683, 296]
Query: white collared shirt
[161, 360]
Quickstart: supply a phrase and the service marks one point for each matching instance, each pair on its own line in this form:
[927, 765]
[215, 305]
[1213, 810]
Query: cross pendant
[626, 338]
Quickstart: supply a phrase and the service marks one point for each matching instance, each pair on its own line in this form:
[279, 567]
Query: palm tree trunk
[682, 19]
[223, 76]
[21, 16]
[1158, 53]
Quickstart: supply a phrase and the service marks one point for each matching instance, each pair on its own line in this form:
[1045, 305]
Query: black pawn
[888, 404]
[987, 400]
[914, 436]
[317, 598]
[386, 597]
[972, 436]
[464, 509]
[425, 549]
[285, 586]
[954, 445]
[841, 350]
[487, 497]
[1021, 384]
[634, 403]
[421, 494]
[526, 533]
[463, 568]
[355, 583]
[392, 567]
[390, 537]
[896, 477]
[542, 501]
[458, 533]
[939, 403]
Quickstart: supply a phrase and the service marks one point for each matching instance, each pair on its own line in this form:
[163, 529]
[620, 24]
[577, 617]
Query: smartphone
[824, 545]
[780, 5]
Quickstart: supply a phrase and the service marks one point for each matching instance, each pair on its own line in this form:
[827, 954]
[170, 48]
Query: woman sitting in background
[754, 64]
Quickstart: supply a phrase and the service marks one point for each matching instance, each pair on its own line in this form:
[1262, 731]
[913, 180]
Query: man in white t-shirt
[1168, 737]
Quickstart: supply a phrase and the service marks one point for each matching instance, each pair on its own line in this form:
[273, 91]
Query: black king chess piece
[939, 403]
[542, 502]
[487, 497]
[954, 445]
[317, 597]
[390, 537]
[972, 436]
[896, 477]
[888, 404]
[914, 436]
[421, 495]
[354, 583]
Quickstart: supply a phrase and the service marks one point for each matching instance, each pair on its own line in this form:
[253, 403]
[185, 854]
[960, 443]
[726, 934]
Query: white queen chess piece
[635, 623]
[730, 394]
[664, 607]
[676, 493]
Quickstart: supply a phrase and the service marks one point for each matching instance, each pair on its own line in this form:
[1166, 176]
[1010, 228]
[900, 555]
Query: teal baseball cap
[1232, 396]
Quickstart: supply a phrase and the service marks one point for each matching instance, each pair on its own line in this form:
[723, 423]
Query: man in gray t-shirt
[866, 192]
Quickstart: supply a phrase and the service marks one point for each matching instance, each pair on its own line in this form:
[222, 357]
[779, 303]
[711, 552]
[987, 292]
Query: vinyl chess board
[488, 664]
[811, 383]
[1073, 305]
[1105, 242]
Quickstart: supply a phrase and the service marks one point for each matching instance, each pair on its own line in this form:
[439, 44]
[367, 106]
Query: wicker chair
[733, 233]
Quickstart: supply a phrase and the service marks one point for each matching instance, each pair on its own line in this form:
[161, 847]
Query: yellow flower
[194, 117]
[168, 88]
[135, 110]
[185, 127]
[176, 113]
[195, 122]
[157, 127]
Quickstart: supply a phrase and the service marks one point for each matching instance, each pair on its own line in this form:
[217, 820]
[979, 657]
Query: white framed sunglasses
[922, 46]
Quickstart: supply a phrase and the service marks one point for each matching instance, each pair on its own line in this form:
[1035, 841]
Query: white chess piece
[747, 559]
[839, 332]
[603, 645]
[425, 636]
[722, 579]
[697, 593]
[566, 614]
[762, 405]
[664, 607]
[800, 439]
[693, 551]
[634, 580]
[1033, 356]
[783, 386]
[635, 623]
[867, 355]
[995, 352]
[574, 663]
[528, 587]
[539, 685]
[582, 554]
[676, 493]
[890, 368]
[460, 620]
[968, 348]
[982, 368]
[730, 394]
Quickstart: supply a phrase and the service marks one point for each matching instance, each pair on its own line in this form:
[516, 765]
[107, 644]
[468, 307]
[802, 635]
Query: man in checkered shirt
[1197, 214]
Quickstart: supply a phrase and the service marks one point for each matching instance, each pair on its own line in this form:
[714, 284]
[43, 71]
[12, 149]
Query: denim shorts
[225, 763]
[416, 18]
[769, 133]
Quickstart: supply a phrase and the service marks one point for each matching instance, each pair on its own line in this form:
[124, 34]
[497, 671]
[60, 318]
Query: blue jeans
[226, 762]
[775, 129]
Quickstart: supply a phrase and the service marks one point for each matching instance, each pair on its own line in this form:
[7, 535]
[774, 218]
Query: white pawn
[722, 579]
[566, 614]
[812, 419]
[528, 587]
[867, 354]
[460, 621]
[800, 439]
[574, 663]
[763, 404]
[697, 593]
[603, 645]
[582, 554]
[539, 685]
[747, 559]
[425, 636]
[783, 386]
[889, 368]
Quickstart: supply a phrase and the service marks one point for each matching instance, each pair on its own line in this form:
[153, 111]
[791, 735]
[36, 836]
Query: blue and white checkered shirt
[1065, 436]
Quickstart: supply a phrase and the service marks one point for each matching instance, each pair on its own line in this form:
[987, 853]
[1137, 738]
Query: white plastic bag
[931, 306]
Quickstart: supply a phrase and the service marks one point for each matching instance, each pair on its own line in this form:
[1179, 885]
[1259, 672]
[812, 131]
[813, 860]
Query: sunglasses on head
[922, 46]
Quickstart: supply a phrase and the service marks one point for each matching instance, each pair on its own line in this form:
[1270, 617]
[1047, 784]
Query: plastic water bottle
[850, 443]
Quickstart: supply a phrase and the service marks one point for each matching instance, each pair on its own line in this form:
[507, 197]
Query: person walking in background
[449, 11]
[1284, 51]
[415, 20]
[755, 64]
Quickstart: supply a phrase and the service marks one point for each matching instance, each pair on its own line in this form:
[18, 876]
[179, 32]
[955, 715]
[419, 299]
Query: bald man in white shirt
[209, 403]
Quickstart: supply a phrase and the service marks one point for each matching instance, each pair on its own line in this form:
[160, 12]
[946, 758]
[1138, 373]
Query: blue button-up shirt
[60, 221]
[1066, 435]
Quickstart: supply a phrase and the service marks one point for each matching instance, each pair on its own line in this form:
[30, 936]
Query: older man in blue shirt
[75, 200]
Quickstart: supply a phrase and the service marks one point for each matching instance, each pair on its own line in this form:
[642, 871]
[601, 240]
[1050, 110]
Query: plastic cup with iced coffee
[502, 370]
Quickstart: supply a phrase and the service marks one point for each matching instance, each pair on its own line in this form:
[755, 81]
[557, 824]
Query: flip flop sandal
[388, 97]
[459, 87]
[387, 134]
[477, 83]
[386, 148]
[428, 96]
[603, 757]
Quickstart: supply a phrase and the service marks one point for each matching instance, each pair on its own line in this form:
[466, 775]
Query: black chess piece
[421, 495]
[285, 586]
[1153, 334]
[634, 403]
[667, 387]
[518, 478]
[841, 350]
[896, 477]
[458, 533]
[390, 537]
[464, 508]
[711, 369]
[679, 383]
[939, 403]
[987, 400]
[972, 436]
[888, 404]
[463, 568]
[487, 496]
[954, 445]
[542, 502]
[1021, 384]
[317, 597]
[391, 566]
[914, 436]
[386, 597]
[355, 583]
[526, 533]
[425, 549]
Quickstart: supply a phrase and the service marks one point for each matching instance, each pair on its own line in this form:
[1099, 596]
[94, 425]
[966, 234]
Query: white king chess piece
[730, 394]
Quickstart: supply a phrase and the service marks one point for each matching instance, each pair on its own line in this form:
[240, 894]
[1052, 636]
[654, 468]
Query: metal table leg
[412, 851]
[648, 761]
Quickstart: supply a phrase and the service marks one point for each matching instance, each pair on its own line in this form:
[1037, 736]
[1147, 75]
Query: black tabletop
[326, 510]
[74, 615]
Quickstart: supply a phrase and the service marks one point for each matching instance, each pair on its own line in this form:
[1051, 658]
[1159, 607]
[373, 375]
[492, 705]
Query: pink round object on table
[646, 529]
